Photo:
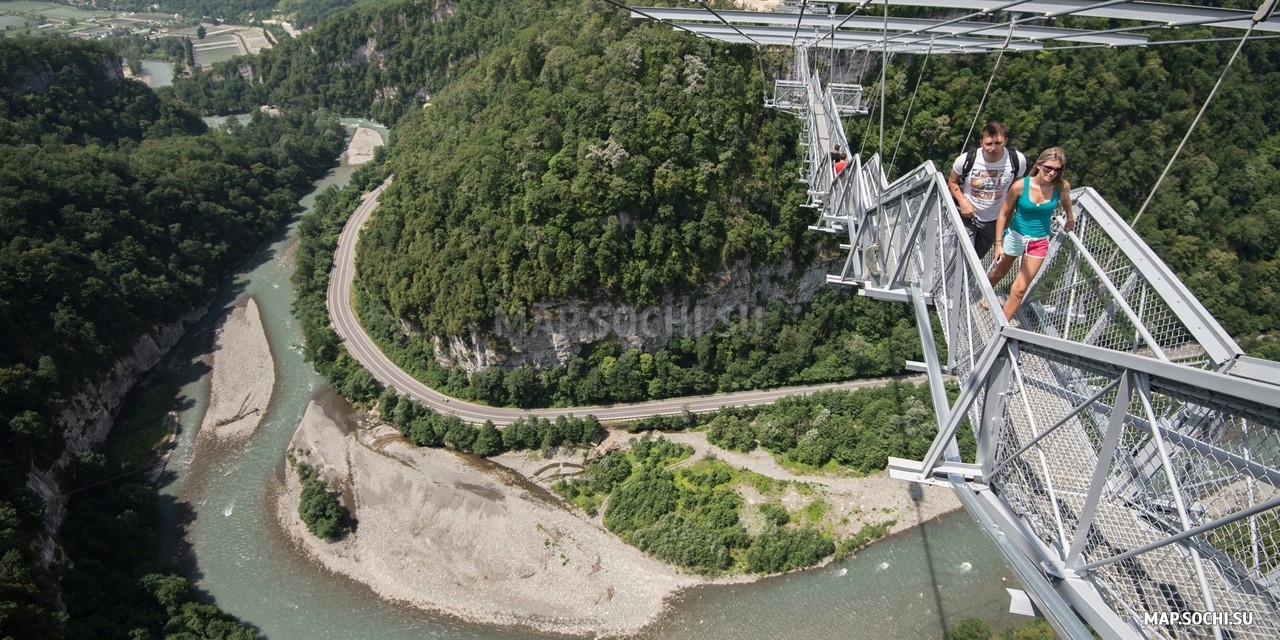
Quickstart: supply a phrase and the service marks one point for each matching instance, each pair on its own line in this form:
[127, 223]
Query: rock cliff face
[87, 417]
[36, 78]
[556, 330]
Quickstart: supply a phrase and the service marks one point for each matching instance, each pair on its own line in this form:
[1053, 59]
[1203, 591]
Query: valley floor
[484, 540]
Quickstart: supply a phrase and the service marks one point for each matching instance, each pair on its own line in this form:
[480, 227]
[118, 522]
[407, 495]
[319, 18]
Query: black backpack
[972, 156]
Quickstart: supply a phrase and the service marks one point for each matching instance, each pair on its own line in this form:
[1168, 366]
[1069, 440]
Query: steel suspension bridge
[1128, 452]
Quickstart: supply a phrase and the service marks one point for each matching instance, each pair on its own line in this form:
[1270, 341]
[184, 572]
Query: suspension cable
[862, 5]
[1261, 15]
[799, 19]
[964, 144]
[977, 14]
[1153, 43]
[1072, 9]
[649, 17]
[884, 70]
[727, 23]
[831, 20]
[866, 131]
[764, 80]
[911, 104]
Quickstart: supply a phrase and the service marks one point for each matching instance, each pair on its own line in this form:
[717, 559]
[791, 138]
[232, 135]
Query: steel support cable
[726, 22]
[884, 68]
[911, 105]
[764, 80]
[977, 14]
[796, 33]
[831, 71]
[965, 143]
[861, 6]
[1003, 8]
[649, 17]
[1261, 15]
[1152, 44]
[764, 84]
[866, 131]
[1076, 10]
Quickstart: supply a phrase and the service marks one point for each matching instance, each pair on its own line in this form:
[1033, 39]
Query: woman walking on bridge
[1024, 223]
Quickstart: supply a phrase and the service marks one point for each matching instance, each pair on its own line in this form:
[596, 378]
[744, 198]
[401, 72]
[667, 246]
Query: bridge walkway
[1128, 452]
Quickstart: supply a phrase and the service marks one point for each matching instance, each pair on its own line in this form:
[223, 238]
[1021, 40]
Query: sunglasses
[1048, 169]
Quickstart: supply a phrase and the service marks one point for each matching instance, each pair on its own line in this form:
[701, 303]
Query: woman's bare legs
[997, 272]
[1026, 273]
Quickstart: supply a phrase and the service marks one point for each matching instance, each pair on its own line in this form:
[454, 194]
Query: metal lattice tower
[1128, 459]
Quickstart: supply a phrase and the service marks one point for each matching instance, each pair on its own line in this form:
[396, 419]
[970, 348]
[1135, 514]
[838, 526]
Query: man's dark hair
[994, 128]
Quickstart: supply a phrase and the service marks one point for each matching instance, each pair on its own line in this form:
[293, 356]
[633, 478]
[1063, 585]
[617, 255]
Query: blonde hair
[1052, 153]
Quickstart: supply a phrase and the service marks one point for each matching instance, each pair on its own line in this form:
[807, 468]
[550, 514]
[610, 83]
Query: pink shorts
[1016, 244]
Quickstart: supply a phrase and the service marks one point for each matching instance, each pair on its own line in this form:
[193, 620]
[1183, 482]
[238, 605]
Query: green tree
[488, 440]
[641, 502]
[775, 514]
[522, 386]
[968, 628]
[317, 506]
[780, 549]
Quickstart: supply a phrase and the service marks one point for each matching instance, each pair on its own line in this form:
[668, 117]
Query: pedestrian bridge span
[1128, 452]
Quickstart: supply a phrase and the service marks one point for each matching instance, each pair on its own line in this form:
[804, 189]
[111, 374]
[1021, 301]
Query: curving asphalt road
[342, 315]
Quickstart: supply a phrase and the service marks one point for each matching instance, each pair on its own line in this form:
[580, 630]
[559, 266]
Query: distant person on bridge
[979, 180]
[1024, 223]
[841, 164]
[839, 160]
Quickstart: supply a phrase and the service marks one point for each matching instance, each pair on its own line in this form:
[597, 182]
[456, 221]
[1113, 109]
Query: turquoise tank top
[1030, 219]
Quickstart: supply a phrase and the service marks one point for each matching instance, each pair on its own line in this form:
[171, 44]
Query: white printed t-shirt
[986, 183]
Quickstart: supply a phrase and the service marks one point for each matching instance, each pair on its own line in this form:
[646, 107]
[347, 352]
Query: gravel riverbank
[243, 375]
[487, 542]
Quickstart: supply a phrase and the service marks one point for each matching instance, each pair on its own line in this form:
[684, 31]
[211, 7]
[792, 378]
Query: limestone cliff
[87, 416]
[37, 77]
[554, 331]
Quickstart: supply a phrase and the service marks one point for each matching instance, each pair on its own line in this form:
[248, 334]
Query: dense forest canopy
[376, 61]
[587, 155]
[119, 211]
[569, 146]
[581, 153]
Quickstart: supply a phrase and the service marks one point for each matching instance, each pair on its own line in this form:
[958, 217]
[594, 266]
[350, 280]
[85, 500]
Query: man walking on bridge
[979, 180]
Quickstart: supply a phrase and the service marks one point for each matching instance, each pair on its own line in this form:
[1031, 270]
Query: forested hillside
[571, 150]
[377, 61]
[119, 211]
[587, 155]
